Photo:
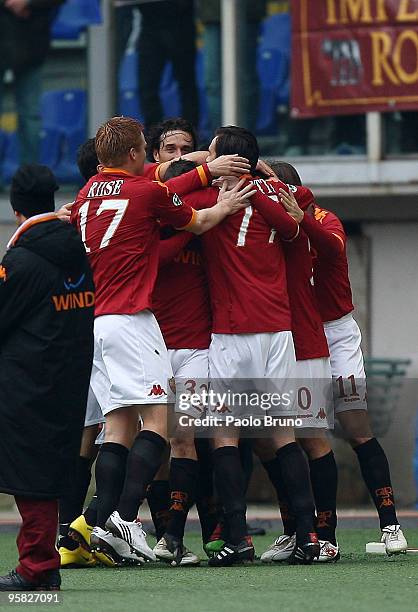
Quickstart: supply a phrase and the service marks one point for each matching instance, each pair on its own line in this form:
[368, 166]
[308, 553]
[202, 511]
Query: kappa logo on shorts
[177, 201]
[157, 390]
[321, 414]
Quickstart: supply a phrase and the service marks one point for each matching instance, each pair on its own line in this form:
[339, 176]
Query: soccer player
[182, 308]
[333, 290]
[117, 214]
[314, 395]
[251, 338]
[167, 141]
[176, 138]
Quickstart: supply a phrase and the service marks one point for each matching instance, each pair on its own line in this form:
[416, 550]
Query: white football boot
[174, 552]
[280, 550]
[120, 553]
[394, 540]
[329, 553]
[132, 533]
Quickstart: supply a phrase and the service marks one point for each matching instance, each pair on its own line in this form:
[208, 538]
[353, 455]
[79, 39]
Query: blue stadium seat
[273, 65]
[66, 170]
[169, 94]
[267, 112]
[276, 33]
[3, 140]
[11, 156]
[129, 105]
[64, 123]
[74, 16]
[50, 147]
[128, 72]
[201, 86]
[273, 72]
[64, 109]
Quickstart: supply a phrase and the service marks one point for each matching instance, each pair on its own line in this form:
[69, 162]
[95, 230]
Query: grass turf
[358, 582]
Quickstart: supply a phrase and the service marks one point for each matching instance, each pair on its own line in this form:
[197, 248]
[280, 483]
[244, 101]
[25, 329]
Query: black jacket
[46, 350]
[24, 41]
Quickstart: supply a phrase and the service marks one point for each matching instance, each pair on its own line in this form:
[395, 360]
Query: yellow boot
[80, 531]
[79, 557]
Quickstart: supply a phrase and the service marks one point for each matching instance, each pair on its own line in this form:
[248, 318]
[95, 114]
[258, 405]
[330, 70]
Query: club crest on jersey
[177, 201]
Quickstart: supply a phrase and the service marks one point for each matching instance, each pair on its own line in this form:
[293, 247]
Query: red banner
[354, 56]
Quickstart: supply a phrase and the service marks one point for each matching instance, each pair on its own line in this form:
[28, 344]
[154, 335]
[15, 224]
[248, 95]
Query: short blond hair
[115, 138]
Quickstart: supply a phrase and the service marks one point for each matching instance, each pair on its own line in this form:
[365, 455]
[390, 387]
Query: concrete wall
[394, 288]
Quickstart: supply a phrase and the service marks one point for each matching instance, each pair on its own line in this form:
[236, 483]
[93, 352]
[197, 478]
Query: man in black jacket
[46, 348]
[168, 34]
[24, 43]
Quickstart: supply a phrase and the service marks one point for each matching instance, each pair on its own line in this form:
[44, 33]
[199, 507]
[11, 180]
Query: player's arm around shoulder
[197, 178]
[267, 202]
[229, 201]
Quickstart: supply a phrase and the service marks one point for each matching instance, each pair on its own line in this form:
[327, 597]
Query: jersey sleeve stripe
[190, 223]
[339, 238]
[202, 175]
[294, 237]
[157, 174]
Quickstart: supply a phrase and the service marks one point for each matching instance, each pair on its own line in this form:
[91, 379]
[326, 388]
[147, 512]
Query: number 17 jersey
[117, 215]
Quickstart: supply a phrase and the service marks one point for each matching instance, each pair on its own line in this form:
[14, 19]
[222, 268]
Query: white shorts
[313, 393]
[94, 415]
[347, 364]
[130, 364]
[253, 363]
[191, 372]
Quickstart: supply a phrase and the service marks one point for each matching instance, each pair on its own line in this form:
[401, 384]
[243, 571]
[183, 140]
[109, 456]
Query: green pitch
[359, 582]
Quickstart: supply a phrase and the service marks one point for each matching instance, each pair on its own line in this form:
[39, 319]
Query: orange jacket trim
[30, 223]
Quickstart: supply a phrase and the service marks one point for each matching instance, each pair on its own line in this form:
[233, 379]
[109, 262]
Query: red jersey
[181, 295]
[332, 283]
[117, 215]
[151, 171]
[307, 329]
[245, 268]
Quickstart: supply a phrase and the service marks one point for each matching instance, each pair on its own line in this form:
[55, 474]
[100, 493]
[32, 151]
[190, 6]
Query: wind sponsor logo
[72, 301]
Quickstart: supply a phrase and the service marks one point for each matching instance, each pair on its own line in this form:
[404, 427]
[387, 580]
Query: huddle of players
[262, 294]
